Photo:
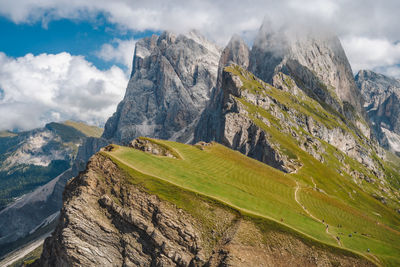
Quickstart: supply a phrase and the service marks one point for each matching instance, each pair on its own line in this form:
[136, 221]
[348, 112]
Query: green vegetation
[25, 178]
[88, 130]
[260, 191]
[29, 258]
[67, 133]
[7, 134]
[326, 194]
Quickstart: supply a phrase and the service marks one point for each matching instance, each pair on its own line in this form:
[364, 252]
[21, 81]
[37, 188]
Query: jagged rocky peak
[382, 101]
[314, 58]
[375, 87]
[209, 126]
[236, 52]
[171, 81]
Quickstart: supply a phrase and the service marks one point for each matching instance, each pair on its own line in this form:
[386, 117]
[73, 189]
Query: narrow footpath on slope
[312, 216]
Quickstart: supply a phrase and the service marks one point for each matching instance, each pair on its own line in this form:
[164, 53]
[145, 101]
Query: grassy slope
[260, 190]
[345, 203]
[7, 134]
[88, 130]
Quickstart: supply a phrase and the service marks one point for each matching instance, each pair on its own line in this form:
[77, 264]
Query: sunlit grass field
[254, 188]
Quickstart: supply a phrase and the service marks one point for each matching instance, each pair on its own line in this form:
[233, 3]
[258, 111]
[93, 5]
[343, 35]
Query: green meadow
[257, 190]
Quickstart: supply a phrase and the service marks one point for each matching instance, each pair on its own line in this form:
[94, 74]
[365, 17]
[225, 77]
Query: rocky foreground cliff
[109, 220]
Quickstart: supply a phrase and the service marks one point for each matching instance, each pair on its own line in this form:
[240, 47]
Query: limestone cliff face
[209, 125]
[382, 101]
[171, 82]
[239, 130]
[107, 221]
[315, 60]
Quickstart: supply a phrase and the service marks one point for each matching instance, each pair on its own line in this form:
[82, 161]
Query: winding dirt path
[312, 216]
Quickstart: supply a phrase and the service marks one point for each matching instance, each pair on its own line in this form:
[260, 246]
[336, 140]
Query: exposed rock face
[239, 130]
[151, 147]
[38, 147]
[382, 103]
[209, 126]
[106, 221]
[315, 60]
[236, 52]
[171, 82]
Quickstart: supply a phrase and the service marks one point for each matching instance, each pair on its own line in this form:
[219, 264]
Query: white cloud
[47, 87]
[119, 51]
[373, 53]
[218, 20]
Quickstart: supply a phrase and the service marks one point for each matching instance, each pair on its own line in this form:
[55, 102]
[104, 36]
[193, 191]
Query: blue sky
[68, 59]
[77, 37]
[35, 89]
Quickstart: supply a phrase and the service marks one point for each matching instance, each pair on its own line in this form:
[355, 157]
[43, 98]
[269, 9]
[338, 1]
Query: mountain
[171, 81]
[170, 204]
[33, 171]
[322, 117]
[316, 60]
[321, 191]
[382, 102]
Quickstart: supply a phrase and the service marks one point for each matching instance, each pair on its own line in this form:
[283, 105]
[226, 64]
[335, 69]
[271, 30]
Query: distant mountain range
[382, 102]
[30, 162]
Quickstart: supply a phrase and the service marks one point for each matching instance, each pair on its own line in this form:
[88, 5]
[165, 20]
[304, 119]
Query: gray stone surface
[382, 103]
[315, 59]
[106, 221]
[171, 82]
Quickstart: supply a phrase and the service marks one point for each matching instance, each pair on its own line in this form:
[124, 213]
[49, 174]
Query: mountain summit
[311, 57]
[171, 81]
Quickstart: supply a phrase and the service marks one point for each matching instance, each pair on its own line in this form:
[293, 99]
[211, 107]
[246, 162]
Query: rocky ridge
[316, 61]
[107, 220]
[171, 81]
[382, 101]
[226, 120]
[239, 129]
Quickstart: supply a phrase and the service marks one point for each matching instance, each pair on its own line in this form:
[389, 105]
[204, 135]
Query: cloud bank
[119, 51]
[356, 20]
[55, 87]
[38, 89]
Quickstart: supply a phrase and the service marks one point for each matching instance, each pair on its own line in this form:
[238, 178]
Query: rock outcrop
[382, 103]
[107, 221]
[171, 82]
[314, 59]
[240, 130]
[209, 125]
